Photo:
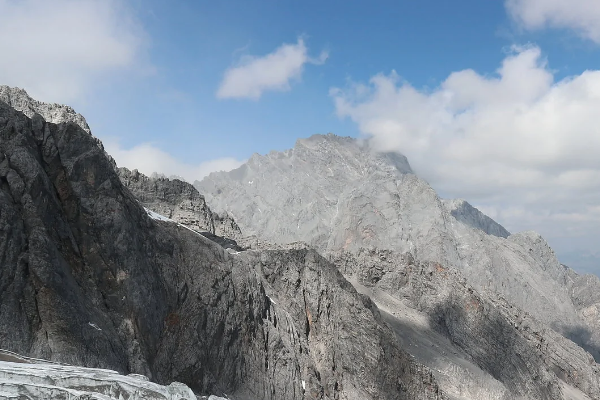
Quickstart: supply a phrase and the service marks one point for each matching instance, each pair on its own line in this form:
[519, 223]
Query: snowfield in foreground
[24, 378]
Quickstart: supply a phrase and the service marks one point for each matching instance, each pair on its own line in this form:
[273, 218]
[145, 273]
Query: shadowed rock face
[88, 278]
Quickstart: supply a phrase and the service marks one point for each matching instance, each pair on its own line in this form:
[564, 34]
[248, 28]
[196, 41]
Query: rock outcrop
[88, 278]
[179, 201]
[55, 113]
[467, 214]
[18, 99]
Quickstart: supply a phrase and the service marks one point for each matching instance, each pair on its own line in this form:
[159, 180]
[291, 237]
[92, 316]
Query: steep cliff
[89, 278]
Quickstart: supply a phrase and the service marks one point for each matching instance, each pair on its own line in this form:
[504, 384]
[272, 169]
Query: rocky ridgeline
[89, 278]
[335, 194]
[18, 99]
[471, 216]
[179, 201]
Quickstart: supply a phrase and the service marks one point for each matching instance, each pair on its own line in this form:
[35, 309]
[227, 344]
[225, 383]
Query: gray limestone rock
[18, 99]
[89, 278]
[335, 194]
[30, 379]
[585, 293]
[493, 341]
[179, 201]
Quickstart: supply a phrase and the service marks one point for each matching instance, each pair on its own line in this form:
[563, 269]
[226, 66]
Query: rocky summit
[343, 199]
[326, 271]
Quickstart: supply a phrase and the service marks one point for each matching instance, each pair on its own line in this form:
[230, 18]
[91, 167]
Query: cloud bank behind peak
[520, 145]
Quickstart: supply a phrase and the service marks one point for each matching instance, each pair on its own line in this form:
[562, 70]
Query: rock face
[179, 201]
[18, 99]
[585, 292]
[311, 190]
[335, 194]
[496, 350]
[55, 113]
[89, 278]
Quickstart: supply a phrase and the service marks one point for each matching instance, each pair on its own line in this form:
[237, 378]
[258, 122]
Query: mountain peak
[55, 113]
[471, 216]
[346, 149]
[338, 195]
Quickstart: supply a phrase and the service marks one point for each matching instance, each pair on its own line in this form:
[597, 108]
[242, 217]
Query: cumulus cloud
[273, 71]
[583, 16]
[519, 144]
[149, 159]
[55, 49]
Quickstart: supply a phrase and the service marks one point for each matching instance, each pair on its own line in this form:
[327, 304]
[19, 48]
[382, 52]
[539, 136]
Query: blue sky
[492, 101]
[192, 43]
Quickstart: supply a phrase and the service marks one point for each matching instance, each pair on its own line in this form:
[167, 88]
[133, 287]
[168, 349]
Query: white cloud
[583, 16]
[273, 71]
[55, 49]
[149, 159]
[519, 144]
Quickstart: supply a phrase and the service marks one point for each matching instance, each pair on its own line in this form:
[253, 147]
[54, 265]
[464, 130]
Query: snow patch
[157, 216]
[46, 381]
[96, 327]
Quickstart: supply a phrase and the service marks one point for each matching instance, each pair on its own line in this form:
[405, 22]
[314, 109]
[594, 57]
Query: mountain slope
[89, 278]
[336, 194]
[495, 350]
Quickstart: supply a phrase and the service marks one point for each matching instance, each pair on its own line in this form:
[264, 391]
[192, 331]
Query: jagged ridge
[90, 279]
